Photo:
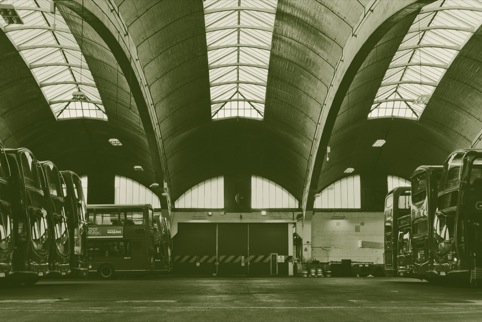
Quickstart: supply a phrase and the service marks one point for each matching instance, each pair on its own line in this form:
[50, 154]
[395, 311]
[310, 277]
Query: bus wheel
[106, 272]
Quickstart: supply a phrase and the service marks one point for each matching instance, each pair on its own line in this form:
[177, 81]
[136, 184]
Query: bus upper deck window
[404, 202]
[135, 217]
[107, 219]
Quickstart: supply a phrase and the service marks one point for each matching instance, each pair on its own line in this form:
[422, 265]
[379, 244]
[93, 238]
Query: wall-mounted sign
[105, 232]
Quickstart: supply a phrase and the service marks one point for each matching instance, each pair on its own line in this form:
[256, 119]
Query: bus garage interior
[266, 133]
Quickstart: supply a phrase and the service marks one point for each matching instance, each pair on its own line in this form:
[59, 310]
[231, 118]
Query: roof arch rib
[356, 49]
[104, 17]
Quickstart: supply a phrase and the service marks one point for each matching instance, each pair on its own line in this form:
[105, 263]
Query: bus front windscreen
[404, 201]
[419, 188]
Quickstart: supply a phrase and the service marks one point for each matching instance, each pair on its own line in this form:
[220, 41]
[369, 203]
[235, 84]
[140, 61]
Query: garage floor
[240, 299]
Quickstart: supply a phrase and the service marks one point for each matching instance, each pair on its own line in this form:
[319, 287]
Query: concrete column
[306, 235]
[373, 191]
[101, 188]
[237, 193]
[290, 249]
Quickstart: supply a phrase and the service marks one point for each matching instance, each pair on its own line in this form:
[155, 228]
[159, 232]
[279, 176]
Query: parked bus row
[433, 229]
[42, 219]
[127, 238]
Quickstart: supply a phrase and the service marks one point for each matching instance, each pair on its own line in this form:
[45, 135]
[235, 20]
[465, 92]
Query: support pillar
[373, 191]
[237, 193]
[101, 188]
[306, 236]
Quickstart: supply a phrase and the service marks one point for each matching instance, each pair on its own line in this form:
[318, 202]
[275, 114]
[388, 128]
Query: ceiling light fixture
[154, 185]
[349, 170]
[378, 143]
[115, 142]
[79, 96]
[138, 168]
[10, 15]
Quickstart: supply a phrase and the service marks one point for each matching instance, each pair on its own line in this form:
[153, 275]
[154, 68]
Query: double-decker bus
[30, 223]
[457, 236]
[122, 238]
[75, 208]
[424, 183]
[7, 241]
[59, 256]
[397, 232]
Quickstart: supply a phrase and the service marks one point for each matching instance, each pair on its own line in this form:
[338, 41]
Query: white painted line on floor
[147, 301]
[145, 309]
[33, 301]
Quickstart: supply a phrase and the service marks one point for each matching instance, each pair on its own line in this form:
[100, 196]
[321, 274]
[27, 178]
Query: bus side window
[90, 218]
[134, 218]
[103, 218]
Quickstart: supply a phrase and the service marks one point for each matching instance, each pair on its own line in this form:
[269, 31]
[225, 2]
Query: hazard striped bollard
[312, 272]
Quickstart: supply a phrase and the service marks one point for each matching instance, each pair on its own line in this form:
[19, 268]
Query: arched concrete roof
[451, 119]
[149, 61]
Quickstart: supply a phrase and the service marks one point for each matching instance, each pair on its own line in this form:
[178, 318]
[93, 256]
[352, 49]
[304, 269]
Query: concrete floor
[240, 299]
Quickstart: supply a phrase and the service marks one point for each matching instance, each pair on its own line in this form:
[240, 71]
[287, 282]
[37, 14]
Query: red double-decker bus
[34, 225]
[59, 255]
[7, 241]
[424, 181]
[75, 209]
[122, 238]
[457, 225]
[30, 218]
[397, 233]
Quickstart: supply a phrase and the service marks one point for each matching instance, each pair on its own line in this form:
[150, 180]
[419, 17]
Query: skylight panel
[238, 35]
[55, 59]
[435, 38]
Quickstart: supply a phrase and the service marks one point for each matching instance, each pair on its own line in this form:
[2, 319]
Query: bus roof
[112, 206]
[425, 168]
[400, 190]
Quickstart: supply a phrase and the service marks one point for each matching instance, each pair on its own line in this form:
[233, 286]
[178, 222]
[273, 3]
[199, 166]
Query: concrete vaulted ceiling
[81, 144]
[149, 61]
[451, 120]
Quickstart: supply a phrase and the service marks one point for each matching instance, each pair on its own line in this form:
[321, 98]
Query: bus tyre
[106, 272]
